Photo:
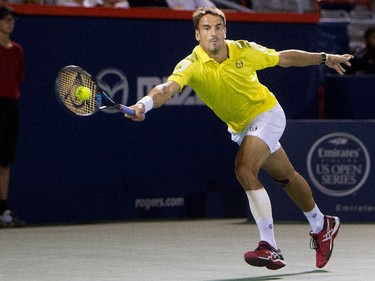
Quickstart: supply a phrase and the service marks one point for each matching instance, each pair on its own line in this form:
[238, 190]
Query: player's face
[211, 34]
[7, 24]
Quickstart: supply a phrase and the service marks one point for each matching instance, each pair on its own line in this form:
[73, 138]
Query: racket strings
[68, 82]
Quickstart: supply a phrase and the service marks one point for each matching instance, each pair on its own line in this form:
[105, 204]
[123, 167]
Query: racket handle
[124, 109]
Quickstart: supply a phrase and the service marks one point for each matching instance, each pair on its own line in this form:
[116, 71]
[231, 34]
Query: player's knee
[281, 182]
[286, 177]
[246, 174]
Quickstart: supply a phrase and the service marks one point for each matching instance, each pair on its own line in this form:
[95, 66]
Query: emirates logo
[338, 164]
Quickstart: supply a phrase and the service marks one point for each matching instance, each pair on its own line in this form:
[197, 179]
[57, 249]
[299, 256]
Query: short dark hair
[202, 11]
[5, 10]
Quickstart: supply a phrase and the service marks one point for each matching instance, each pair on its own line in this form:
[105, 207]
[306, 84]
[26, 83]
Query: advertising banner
[335, 157]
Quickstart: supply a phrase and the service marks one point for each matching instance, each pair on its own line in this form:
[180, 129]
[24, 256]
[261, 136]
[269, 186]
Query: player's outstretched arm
[300, 58]
[157, 97]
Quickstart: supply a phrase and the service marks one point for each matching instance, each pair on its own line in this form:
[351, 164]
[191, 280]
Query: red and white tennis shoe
[265, 255]
[323, 241]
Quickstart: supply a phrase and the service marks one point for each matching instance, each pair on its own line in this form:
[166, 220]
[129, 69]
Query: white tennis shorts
[268, 126]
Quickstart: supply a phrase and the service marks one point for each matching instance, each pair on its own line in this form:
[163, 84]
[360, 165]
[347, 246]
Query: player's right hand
[139, 115]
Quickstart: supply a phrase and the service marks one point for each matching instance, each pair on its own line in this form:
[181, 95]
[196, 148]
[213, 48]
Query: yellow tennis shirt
[231, 89]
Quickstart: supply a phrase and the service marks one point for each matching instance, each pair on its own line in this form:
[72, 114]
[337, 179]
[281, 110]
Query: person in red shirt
[11, 76]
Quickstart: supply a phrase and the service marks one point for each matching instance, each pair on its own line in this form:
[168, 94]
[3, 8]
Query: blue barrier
[350, 97]
[335, 157]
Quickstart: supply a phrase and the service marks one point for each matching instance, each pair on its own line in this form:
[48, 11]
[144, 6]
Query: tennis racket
[69, 79]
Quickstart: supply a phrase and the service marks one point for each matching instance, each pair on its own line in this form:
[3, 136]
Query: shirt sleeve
[182, 73]
[260, 56]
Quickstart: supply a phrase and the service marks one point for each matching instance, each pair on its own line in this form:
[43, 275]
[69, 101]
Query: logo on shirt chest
[239, 64]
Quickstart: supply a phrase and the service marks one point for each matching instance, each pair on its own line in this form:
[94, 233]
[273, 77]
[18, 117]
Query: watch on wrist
[324, 58]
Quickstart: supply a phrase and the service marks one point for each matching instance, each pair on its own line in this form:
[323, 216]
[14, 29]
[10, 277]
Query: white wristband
[148, 103]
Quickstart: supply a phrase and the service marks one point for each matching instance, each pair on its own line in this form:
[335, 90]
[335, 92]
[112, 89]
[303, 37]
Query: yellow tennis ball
[83, 93]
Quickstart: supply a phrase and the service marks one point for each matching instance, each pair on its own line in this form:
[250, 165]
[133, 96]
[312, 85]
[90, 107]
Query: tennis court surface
[207, 250]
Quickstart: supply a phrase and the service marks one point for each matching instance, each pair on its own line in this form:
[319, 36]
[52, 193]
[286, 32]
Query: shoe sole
[269, 264]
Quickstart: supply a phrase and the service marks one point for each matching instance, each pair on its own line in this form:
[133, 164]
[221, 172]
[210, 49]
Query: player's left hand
[335, 61]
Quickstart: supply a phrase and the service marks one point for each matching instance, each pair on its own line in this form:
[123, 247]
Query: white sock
[260, 207]
[316, 219]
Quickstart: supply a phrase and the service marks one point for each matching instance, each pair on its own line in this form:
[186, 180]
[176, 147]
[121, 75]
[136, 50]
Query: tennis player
[11, 76]
[223, 73]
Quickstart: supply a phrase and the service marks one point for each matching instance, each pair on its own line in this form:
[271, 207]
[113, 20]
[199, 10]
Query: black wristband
[324, 58]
